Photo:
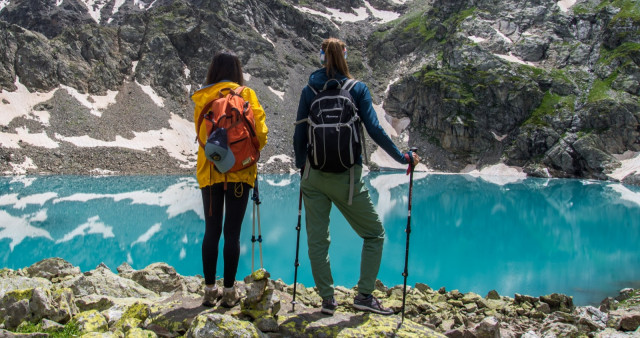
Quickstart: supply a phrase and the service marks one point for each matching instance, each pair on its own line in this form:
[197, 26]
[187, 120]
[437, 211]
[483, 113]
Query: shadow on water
[531, 236]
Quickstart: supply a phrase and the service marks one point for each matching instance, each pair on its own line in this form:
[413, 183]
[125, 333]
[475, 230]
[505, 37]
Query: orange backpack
[232, 112]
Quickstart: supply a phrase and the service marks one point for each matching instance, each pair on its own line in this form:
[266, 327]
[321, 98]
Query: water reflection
[531, 236]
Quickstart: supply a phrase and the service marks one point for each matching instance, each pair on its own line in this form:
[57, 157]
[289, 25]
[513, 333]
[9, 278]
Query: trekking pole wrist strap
[409, 158]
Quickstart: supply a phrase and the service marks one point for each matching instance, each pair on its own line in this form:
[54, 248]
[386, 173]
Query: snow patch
[515, 59]
[152, 94]
[278, 93]
[95, 103]
[94, 7]
[500, 34]
[361, 13]
[498, 138]
[22, 135]
[630, 164]
[264, 36]
[566, 4]
[247, 76]
[382, 16]
[21, 168]
[20, 103]
[476, 39]
[3, 4]
[178, 141]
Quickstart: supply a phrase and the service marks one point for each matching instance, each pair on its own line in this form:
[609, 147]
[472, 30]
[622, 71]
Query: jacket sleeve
[258, 114]
[300, 132]
[372, 124]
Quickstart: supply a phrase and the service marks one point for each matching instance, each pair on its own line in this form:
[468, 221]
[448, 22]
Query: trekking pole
[408, 231]
[296, 264]
[256, 205]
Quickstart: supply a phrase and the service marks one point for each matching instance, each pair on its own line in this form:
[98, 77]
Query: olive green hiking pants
[320, 190]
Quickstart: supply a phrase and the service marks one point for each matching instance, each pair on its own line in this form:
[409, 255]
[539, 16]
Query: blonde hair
[334, 57]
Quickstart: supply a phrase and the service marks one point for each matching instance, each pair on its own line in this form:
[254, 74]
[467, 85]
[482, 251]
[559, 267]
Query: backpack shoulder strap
[349, 84]
[203, 112]
[239, 90]
[315, 92]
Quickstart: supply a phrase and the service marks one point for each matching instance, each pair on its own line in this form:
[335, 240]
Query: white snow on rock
[566, 4]
[95, 103]
[20, 103]
[3, 4]
[178, 141]
[630, 164]
[159, 101]
[22, 135]
[361, 13]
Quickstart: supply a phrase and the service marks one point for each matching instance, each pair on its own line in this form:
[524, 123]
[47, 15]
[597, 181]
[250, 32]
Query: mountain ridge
[543, 86]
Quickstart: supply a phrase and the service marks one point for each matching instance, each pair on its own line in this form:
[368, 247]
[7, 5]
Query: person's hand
[416, 159]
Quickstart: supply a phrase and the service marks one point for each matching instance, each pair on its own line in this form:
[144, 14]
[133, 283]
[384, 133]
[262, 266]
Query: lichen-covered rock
[9, 283]
[158, 277]
[389, 326]
[91, 321]
[220, 325]
[135, 315]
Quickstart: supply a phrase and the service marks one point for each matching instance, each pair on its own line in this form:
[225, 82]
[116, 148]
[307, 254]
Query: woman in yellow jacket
[224, 194]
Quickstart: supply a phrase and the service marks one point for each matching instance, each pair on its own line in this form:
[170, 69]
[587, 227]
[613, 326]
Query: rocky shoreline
[53, 298]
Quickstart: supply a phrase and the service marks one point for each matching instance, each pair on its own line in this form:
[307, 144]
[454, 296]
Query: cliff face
[551, 87]
[528, 83]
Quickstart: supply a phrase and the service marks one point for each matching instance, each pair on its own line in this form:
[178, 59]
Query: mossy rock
[91, 321]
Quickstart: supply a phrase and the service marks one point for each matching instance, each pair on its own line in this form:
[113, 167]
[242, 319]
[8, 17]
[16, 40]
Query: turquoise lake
[529, 236]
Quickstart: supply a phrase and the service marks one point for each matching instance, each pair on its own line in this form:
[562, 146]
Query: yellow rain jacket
[206, 173]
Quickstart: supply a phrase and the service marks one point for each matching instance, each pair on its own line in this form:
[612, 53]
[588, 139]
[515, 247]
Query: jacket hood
[318, 78]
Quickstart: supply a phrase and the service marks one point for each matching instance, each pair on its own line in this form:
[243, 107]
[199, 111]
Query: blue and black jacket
[362, 96]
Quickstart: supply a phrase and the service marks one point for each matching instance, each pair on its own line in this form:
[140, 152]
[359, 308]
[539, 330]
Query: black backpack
[335, 138]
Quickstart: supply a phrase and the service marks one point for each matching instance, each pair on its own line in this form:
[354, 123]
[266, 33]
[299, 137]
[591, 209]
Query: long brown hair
[225, 66]
[335, 61]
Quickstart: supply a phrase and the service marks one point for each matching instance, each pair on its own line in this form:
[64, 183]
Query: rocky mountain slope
[104, 86]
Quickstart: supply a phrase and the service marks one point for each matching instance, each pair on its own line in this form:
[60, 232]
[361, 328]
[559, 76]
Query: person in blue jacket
[322, 189]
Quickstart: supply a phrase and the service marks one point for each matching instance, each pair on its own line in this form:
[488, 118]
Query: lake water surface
[531, 236]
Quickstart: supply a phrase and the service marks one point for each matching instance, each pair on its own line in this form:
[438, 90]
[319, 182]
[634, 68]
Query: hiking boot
[230, 297]
[370, 303]
[211, 296]
[329, 306]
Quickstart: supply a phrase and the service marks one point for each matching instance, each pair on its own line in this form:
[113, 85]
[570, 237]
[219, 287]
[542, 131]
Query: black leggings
[214, 198]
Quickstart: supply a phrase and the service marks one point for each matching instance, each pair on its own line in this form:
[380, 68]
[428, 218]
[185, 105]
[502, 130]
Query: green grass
[601, 89]
[69, 330]
[548, 107]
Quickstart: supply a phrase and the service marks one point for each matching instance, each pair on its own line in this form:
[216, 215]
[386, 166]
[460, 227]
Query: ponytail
[335, 53]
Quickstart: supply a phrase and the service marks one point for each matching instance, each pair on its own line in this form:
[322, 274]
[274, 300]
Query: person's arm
[371, 123]
[300, 132]
[258, 115]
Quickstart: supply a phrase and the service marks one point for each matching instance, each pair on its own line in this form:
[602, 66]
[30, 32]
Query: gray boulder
[221, 325]
[102, 281]
[52, 268]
